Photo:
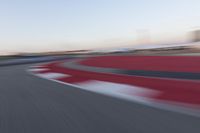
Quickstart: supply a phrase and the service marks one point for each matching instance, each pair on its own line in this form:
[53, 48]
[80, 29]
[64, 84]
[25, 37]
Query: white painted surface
[52, 75]
[119, 90]
[38, 69]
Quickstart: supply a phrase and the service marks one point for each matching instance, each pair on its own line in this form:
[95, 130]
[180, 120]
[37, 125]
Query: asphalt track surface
[29, 104]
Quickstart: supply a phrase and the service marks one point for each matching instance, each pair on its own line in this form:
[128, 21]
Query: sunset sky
[50, 25]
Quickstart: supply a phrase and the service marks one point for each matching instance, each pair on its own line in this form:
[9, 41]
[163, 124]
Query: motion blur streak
[32, 104]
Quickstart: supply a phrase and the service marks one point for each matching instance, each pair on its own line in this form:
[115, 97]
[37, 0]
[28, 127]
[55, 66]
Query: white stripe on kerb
[119, 90]
[51, 75]
[38, 69]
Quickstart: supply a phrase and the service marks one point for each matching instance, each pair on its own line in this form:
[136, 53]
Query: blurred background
[49, 25]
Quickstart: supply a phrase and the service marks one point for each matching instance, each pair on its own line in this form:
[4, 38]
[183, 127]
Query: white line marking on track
[38, 69]
[52, 75]
[119, 90]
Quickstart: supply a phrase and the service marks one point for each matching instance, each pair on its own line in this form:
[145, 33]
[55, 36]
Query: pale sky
[45, 25]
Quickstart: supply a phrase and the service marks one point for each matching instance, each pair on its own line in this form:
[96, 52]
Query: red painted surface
[156, 63]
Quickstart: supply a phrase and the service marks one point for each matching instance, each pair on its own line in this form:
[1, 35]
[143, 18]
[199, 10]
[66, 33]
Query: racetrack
[29, 104]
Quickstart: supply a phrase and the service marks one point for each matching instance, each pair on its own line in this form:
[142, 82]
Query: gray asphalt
[29, 104]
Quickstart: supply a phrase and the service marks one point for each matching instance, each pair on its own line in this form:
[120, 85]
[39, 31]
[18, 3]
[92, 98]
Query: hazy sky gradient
[37, 25]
